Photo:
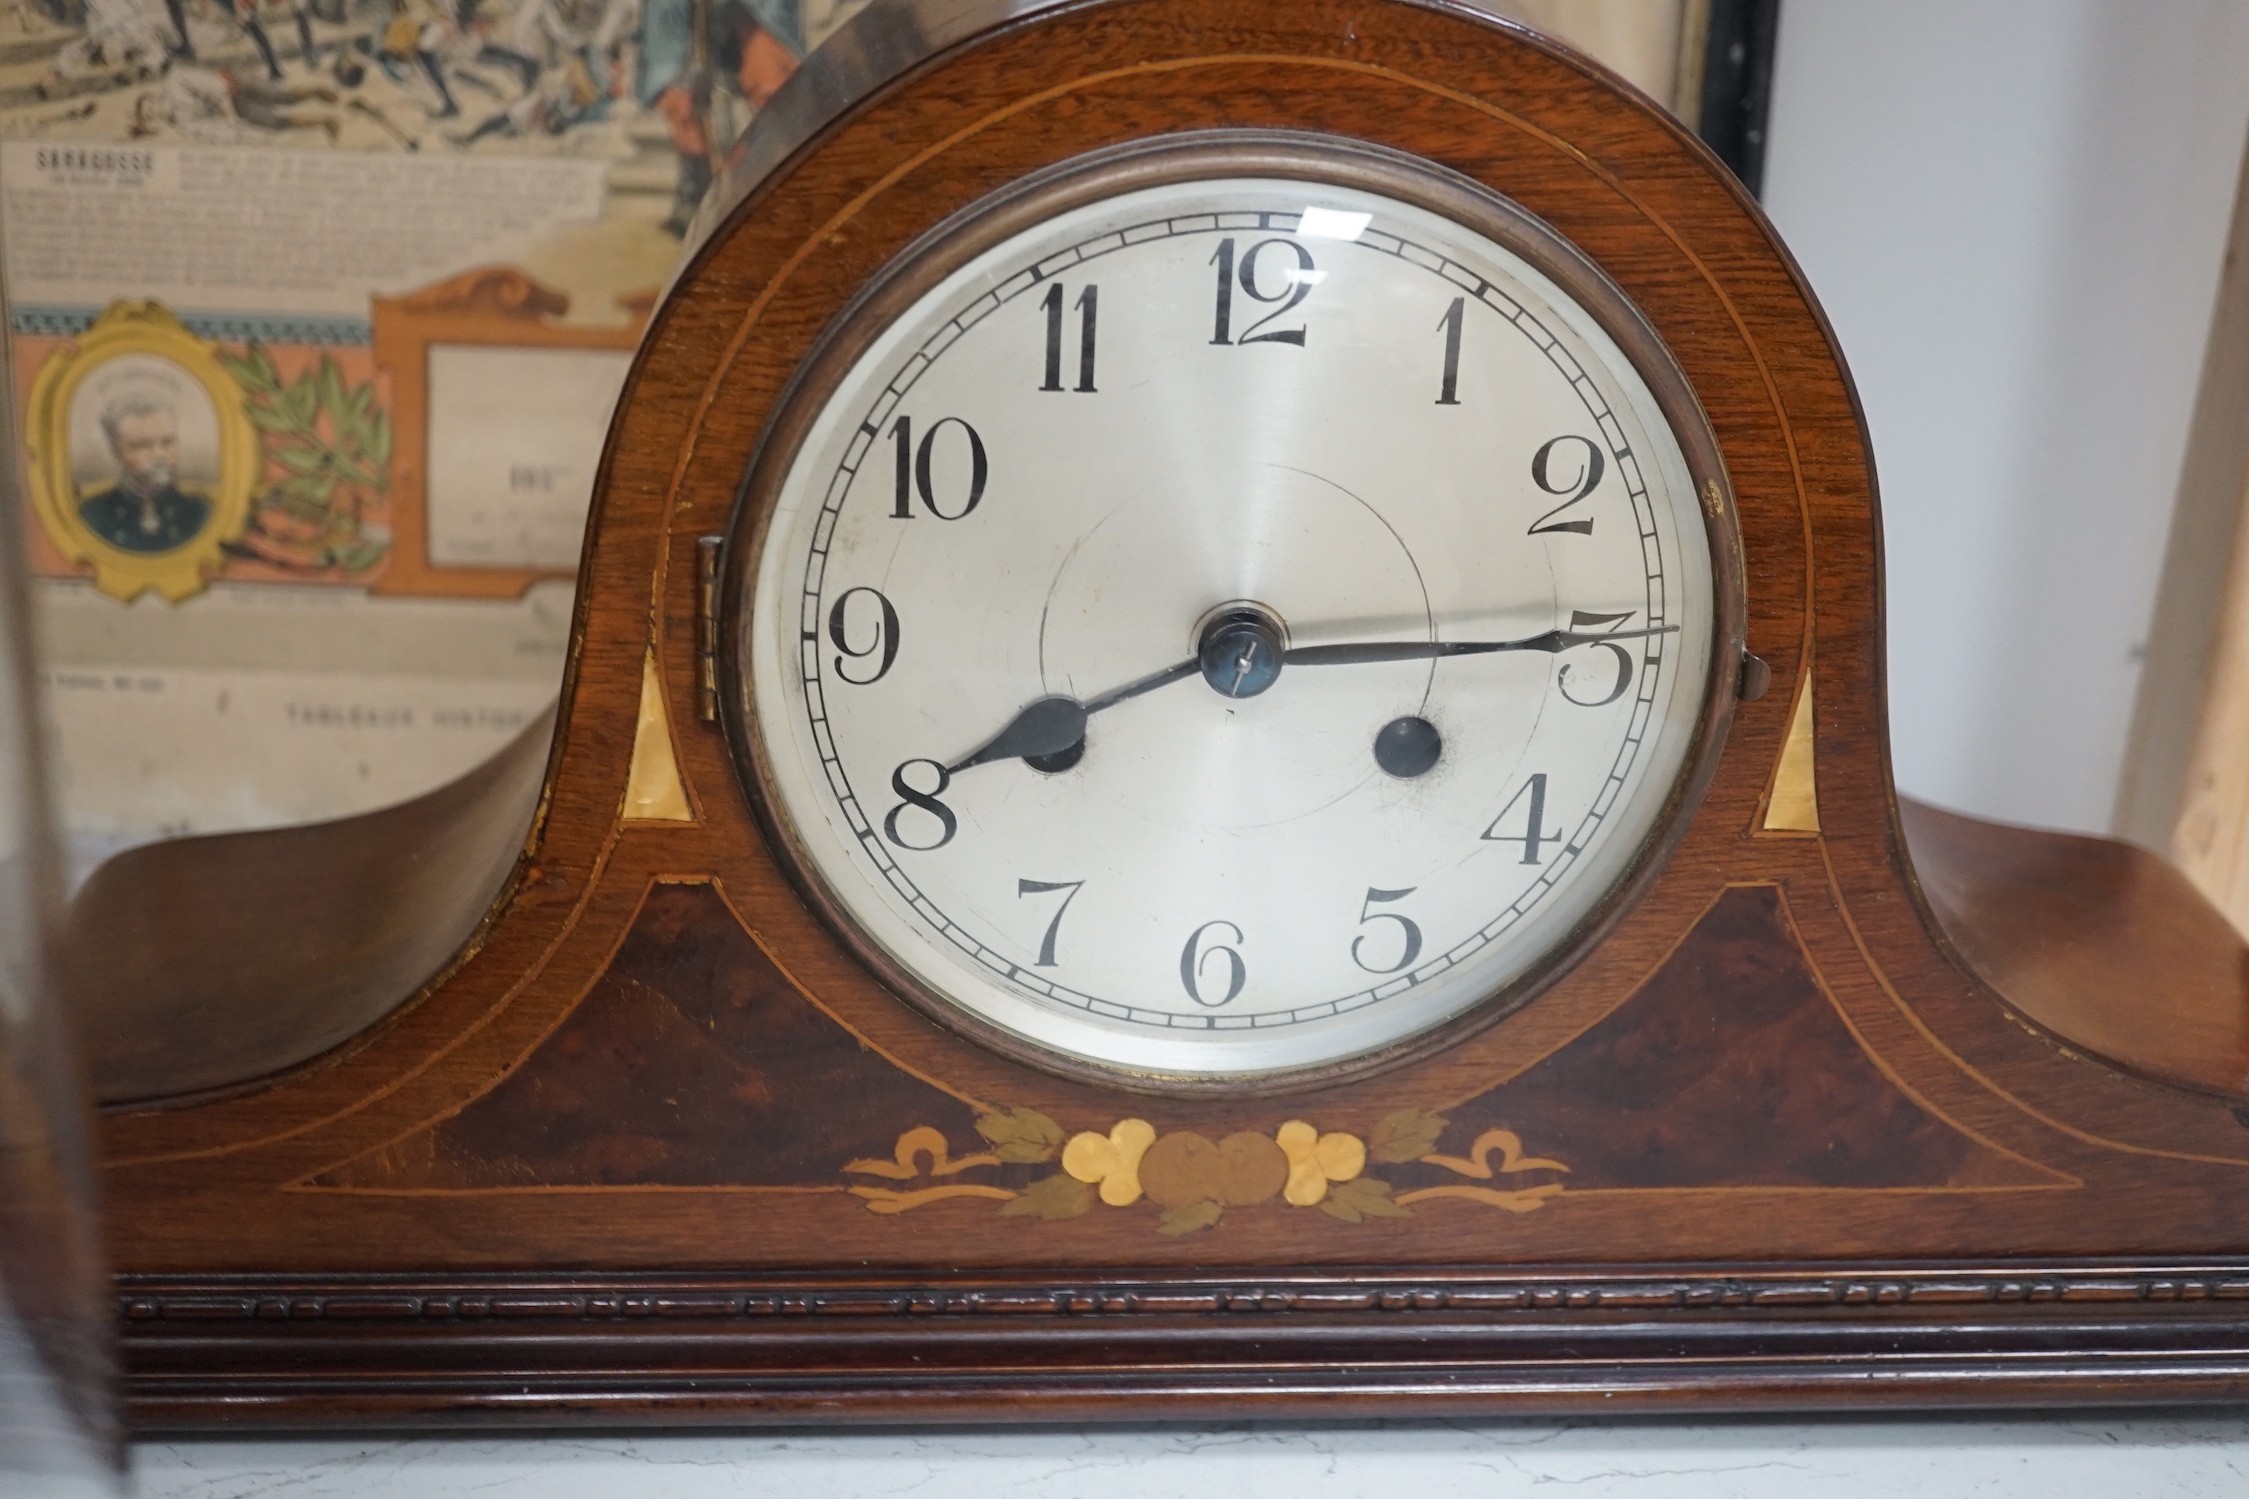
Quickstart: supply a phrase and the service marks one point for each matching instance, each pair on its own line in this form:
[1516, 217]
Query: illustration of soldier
[244, 15]
[421, 33]
[215, 106]
[538, 35]
[704, 66]
[565, 75]
[120, 37]
[146, 509]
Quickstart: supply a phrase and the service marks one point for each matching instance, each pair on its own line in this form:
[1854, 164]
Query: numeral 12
[1297, 288]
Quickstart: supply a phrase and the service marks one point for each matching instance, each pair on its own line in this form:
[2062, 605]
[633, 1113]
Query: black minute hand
[1361, 652]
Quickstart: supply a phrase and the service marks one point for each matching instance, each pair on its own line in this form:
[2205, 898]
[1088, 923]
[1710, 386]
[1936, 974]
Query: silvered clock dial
[1230, 609]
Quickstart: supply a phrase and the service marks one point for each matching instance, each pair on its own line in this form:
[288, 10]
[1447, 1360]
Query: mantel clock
[1224, 755]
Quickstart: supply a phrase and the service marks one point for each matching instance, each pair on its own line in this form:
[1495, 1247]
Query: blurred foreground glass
[58, 1425]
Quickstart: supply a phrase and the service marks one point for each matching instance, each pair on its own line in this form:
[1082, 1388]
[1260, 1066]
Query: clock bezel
[1187, 157]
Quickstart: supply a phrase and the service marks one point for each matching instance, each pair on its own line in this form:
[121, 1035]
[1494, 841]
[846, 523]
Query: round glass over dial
[1233, 624]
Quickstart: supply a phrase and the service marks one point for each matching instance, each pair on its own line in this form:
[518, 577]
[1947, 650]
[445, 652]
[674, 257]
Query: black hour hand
[1046, 727]
[1050, 732]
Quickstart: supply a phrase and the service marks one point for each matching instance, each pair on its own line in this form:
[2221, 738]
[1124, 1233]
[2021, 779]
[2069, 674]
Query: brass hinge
[706, 627]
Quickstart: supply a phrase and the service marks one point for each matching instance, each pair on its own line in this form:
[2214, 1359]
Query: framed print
[142, 455]
[500, 408]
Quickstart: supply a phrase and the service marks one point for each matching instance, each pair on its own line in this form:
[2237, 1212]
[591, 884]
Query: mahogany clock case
[656, 1146]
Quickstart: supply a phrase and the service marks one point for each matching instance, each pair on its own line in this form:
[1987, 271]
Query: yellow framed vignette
[129, 327]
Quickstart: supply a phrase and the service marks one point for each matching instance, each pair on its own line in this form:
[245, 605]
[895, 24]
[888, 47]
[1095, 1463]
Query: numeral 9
[885, 642]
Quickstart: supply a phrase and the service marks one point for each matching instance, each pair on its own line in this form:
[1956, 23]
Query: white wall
[2014, 212]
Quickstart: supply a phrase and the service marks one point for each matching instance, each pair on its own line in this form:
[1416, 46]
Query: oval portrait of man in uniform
[144, 454]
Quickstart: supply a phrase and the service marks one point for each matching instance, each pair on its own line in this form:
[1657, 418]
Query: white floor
[2105, 1457]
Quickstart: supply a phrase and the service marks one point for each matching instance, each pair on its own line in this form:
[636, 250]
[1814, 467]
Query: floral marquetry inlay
[1192, 1180]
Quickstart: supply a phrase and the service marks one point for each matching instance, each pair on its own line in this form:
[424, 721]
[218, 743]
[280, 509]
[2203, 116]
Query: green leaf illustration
[1407, 1135]
[331, 442]
[1052, 1198]
[300, 402]
[358, 556]
[1189, 1219]
[1360, 1198]
[330, 385]
[351, 432]
[252, 370]
[1020, 1135]
[298, 458]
